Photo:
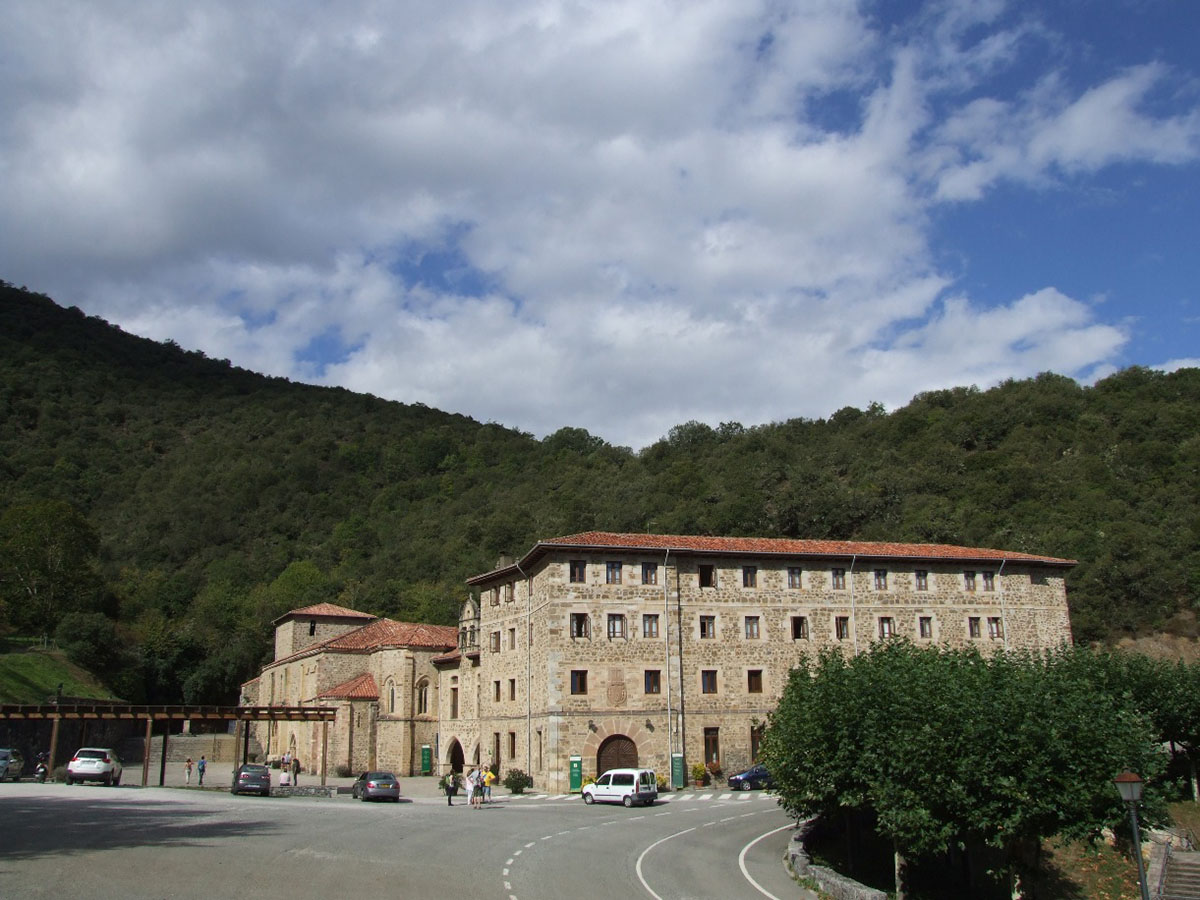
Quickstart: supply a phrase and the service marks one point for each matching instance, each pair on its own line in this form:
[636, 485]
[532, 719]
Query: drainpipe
[528, 670]
[853, 608]
[667, 654]
[1003, 610]
[682, 707]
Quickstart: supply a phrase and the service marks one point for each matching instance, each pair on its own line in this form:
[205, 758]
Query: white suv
[94, 764]
[628, 786]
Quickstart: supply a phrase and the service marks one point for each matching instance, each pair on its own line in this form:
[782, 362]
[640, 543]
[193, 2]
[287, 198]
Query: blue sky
[618, 216]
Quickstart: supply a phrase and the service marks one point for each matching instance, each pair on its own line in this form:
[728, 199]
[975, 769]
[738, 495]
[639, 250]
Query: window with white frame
[921, 576]
[649, 573]
[887, 627]
[708, 627]
[881, 579]
[799, 628]
[837, 579]
[795, 576]
[995, 628]
[925, 627]
[752, 632]
[612, 573]
[616, 625]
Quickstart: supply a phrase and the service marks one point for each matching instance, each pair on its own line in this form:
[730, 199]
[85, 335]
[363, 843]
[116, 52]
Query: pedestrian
[200, 769]
[479, 788]
[451, 786]
[285, 761]
[187, 771]
[471, 788]
[488, 777]
[295, 770]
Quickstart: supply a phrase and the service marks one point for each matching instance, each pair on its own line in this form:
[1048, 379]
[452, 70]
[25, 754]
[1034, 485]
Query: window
[312, 628]
[708, 627]
[494, 593]
[423, 698]
[841, 628]
[512, 689]
[969, 581]
[496, 691]
[653, 681]
[616, 625]
[579, 681]
[925, 627]
[495, 746]
[649, 573]
[581, 625]
[881, 579]
[794, 577]
[799, 628]
[512, 639]
[510, 592]
[650, 625]
[887, 627]
[751, 628]
[708, 576]
[995, 628]
[756, 736]
[838, 579]
[973, 626]
[512, 745]
[454, 703]
[922, 579]
[612, 573]
[391, 696]
[495, 642]
[749, 576]
[708, 681]
[712, 745]
[754, 681]
[989, 581]
[578, 571]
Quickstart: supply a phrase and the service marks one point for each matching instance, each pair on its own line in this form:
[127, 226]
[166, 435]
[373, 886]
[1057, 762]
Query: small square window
[881, 579]
[799, 628]
[794, 577]
[925, 627]
[649, 573]
[653, 681]
[838, 579]
[989, 581]
[581, 625]
[749, 576]
[922, 579]
[708, 576]
[887, 627]
[496, 691]
[995, 628]
[579, 681]
[578, 571]
[612, 573]
[754, 681]
[616, 625]
[841, 628]
[650, 625]
[973, 627]
[752, 633]
[708, 681]
[969, 581]
[708, 627]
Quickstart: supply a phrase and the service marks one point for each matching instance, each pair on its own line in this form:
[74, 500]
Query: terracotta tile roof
[606, 540]
[361, 688]
[325, 609]
[381, 633]
[453, 656]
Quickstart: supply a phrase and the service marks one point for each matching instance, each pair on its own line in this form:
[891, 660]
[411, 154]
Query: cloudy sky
[622, 215]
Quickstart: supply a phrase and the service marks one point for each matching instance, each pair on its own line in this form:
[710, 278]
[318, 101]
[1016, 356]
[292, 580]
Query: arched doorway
[456, 757]
[617, 752]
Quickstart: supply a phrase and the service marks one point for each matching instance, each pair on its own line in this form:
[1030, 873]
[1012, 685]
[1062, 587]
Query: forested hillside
[158, 508]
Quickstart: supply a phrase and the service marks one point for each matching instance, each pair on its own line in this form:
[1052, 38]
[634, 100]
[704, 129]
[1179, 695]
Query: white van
[628, 786]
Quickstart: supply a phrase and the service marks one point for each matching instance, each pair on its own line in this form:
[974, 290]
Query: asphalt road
[90, 841]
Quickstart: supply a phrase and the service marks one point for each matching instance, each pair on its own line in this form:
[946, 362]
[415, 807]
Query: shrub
[699, 773]
[342, 770]
[664, 783]
[516, 781]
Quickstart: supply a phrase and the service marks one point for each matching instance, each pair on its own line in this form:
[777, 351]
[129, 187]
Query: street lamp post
[1129, 785]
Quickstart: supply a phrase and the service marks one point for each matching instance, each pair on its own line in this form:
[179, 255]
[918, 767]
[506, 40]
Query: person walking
[187, 771]
[471, 783]
[295, 770]
[200, 769]
[451, 786]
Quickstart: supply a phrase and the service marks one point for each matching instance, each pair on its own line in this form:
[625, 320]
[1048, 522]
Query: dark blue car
[754, 777]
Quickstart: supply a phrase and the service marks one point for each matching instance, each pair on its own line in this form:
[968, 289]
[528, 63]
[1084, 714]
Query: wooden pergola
[243, 715]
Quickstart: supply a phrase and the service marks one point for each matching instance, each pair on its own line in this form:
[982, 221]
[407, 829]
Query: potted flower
[699, 774]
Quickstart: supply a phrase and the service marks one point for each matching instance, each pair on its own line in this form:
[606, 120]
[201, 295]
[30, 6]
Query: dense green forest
[159, 508]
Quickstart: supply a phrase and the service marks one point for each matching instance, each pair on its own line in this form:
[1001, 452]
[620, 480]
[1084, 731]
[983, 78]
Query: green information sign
[576, 780]
[426, 759]
[678, 779]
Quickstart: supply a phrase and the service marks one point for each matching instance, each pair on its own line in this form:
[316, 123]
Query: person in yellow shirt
[488, 777]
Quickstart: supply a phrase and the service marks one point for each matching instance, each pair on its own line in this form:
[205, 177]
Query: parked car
[376, 786]
[251, 778]
[754, 777]
[628, 786]
[11, 764]
[94, 764]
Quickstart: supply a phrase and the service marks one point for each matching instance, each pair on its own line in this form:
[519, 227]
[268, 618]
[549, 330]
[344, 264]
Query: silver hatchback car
[94, 764]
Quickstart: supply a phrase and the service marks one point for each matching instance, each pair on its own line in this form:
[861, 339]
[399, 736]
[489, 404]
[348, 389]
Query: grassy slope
[29, 674]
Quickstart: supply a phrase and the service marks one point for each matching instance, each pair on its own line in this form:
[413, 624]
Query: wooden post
[146, 752]
[246, 742]
[324, 747]
[162, 766]
[237, 744]
[53, 745]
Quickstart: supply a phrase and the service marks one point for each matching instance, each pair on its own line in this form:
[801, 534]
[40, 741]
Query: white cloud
[649, 221]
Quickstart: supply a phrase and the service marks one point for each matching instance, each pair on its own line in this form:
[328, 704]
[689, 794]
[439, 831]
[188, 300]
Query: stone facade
[624, 649]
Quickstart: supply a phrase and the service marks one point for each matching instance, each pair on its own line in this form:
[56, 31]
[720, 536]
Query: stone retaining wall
[835, 884]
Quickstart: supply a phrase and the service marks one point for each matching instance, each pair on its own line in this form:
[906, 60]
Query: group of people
[479, 783]
[289, 766]
[201, 768]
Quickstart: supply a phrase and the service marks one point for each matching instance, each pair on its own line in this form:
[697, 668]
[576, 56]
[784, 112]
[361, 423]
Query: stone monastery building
[629, 649]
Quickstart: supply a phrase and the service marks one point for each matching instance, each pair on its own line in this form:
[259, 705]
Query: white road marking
[638, 867]
[742, 860]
